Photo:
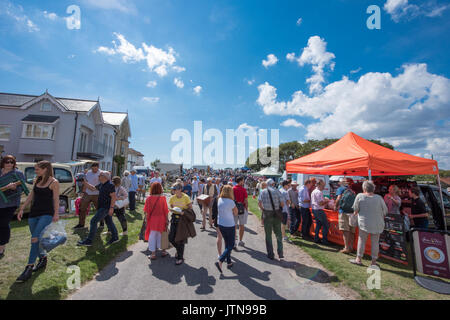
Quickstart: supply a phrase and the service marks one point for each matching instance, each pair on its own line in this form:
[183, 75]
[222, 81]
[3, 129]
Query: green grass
[51, 284]
[396, 280]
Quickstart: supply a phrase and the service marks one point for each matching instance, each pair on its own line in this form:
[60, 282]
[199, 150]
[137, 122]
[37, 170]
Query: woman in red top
[156, 211]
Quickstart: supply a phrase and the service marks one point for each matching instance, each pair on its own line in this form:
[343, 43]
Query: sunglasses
[9, 162]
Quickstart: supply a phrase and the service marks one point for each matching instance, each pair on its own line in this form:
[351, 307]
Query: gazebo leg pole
[370, 175]
[442, 202]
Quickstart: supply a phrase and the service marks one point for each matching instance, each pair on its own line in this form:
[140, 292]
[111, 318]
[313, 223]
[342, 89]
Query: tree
[155, 163]
[120, 161]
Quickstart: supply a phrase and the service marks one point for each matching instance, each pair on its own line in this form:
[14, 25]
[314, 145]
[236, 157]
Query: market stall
[352, 155]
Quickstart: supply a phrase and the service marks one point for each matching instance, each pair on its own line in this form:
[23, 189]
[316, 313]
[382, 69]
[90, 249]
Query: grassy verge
[396, 280]
[51, 284]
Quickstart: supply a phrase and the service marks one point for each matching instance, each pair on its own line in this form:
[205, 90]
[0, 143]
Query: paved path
[254, 276]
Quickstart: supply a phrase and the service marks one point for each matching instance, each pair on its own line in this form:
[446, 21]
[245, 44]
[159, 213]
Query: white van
[301, 178]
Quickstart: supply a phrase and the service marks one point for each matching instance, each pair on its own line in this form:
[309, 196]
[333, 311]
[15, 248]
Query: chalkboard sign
[392, 240]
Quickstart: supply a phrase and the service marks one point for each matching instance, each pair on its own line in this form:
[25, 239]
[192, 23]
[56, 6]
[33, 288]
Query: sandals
[353, 261]
[218, 267]
[179, 262]
[152, 257]
[345, 251]
[229, 266]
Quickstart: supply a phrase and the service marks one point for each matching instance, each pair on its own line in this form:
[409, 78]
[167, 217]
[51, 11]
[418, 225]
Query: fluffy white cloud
[150, 99]
[178, 69]
[158, 60]
[152, 84]
[403, 109]
[198, 90]
[271, 61]
[246, 126]
[399, 9]
[315, 54]
[178, 82]
[292, 123]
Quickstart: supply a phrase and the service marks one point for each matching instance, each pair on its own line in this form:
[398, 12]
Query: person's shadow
[165, 270]
[246, 276]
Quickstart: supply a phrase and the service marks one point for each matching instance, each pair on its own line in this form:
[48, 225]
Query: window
[63, 176]
[5, 133]
[83, 142]
[30, 174]
[38, 131]
[46, 107]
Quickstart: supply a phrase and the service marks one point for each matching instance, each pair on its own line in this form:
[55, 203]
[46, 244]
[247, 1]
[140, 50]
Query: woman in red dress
[156, 211]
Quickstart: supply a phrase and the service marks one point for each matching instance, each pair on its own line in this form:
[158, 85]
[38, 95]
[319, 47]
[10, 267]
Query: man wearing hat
[270, 201]
[344, 224]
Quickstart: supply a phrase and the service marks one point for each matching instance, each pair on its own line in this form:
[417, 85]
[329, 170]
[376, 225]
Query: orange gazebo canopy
[354, 156]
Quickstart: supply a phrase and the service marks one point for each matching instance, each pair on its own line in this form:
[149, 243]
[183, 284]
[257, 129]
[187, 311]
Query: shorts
[241, 219]
[344, 224]
[285, 218]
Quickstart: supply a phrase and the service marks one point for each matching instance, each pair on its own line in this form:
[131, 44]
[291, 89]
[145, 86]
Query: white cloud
[356, 70]
[150, 99]
[246, 127]
[178, 82]
[16, 13]
[405, 109]
[125, 6]
[299, 21]
[158, 60]
[152, 84]
[178, 69]
[271, 61]
[50, 15]
[72, 56]
[198, 90]
[402, 9]
[292, 123]
[315, 54]
[251, 82]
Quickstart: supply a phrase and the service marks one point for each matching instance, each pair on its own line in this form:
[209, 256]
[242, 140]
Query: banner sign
[392, 240]
[432, 253]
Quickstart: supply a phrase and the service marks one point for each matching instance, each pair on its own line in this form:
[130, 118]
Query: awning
[40, 118]
[355, 156]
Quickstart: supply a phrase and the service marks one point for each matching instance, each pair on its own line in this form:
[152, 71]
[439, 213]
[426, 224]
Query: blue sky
[390, 84]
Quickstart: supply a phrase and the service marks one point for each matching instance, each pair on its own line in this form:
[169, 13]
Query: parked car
[62, 173]
[433, 201]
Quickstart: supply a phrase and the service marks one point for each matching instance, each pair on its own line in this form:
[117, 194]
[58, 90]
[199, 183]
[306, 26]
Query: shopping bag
[165, 244]
[353, 220]
[53, 236]
[122, 203]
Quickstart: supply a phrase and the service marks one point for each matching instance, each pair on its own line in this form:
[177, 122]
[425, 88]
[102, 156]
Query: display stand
[436, 263]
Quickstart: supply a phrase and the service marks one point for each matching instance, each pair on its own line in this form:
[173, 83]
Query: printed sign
[392, 240]
[432, 251]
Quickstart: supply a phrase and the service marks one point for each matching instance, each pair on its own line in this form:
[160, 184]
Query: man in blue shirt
[133, 189]
[187, 188]
[304, 201]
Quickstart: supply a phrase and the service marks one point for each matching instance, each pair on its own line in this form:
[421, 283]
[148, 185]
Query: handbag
[144, 223]
[165, 243]
[353, 220]
[240, 207]
[122, 203]
[278, 212]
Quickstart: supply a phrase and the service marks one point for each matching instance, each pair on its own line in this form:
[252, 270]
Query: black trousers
[6, 215]
[132, 198]
[120, 214]
[179, 246]
[306, 222]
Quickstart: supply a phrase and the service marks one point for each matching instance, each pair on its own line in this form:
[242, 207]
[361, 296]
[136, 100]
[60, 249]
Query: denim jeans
[194, 194]
[296, 219]
[228, 234]
[272, 223]
[321, 222]
[37, 225]
[101, 214]
[306, 221]
[132, 198]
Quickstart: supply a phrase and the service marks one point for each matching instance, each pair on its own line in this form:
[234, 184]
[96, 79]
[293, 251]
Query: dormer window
[47, 107]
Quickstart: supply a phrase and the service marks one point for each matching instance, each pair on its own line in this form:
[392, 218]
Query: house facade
[135, 158]
[34, 128]
[120, 122]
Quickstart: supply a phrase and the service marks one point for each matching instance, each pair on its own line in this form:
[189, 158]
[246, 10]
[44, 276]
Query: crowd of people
[222, 197]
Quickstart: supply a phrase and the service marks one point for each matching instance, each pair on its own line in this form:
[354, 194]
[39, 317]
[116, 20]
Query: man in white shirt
[156, 178]
[194, 188]
[318, 203]
[90, 194]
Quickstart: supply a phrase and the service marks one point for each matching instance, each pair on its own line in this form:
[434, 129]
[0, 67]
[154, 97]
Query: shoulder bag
[144, 223]
[278, 212]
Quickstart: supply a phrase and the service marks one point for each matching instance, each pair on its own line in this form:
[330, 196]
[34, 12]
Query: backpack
[347, 201]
